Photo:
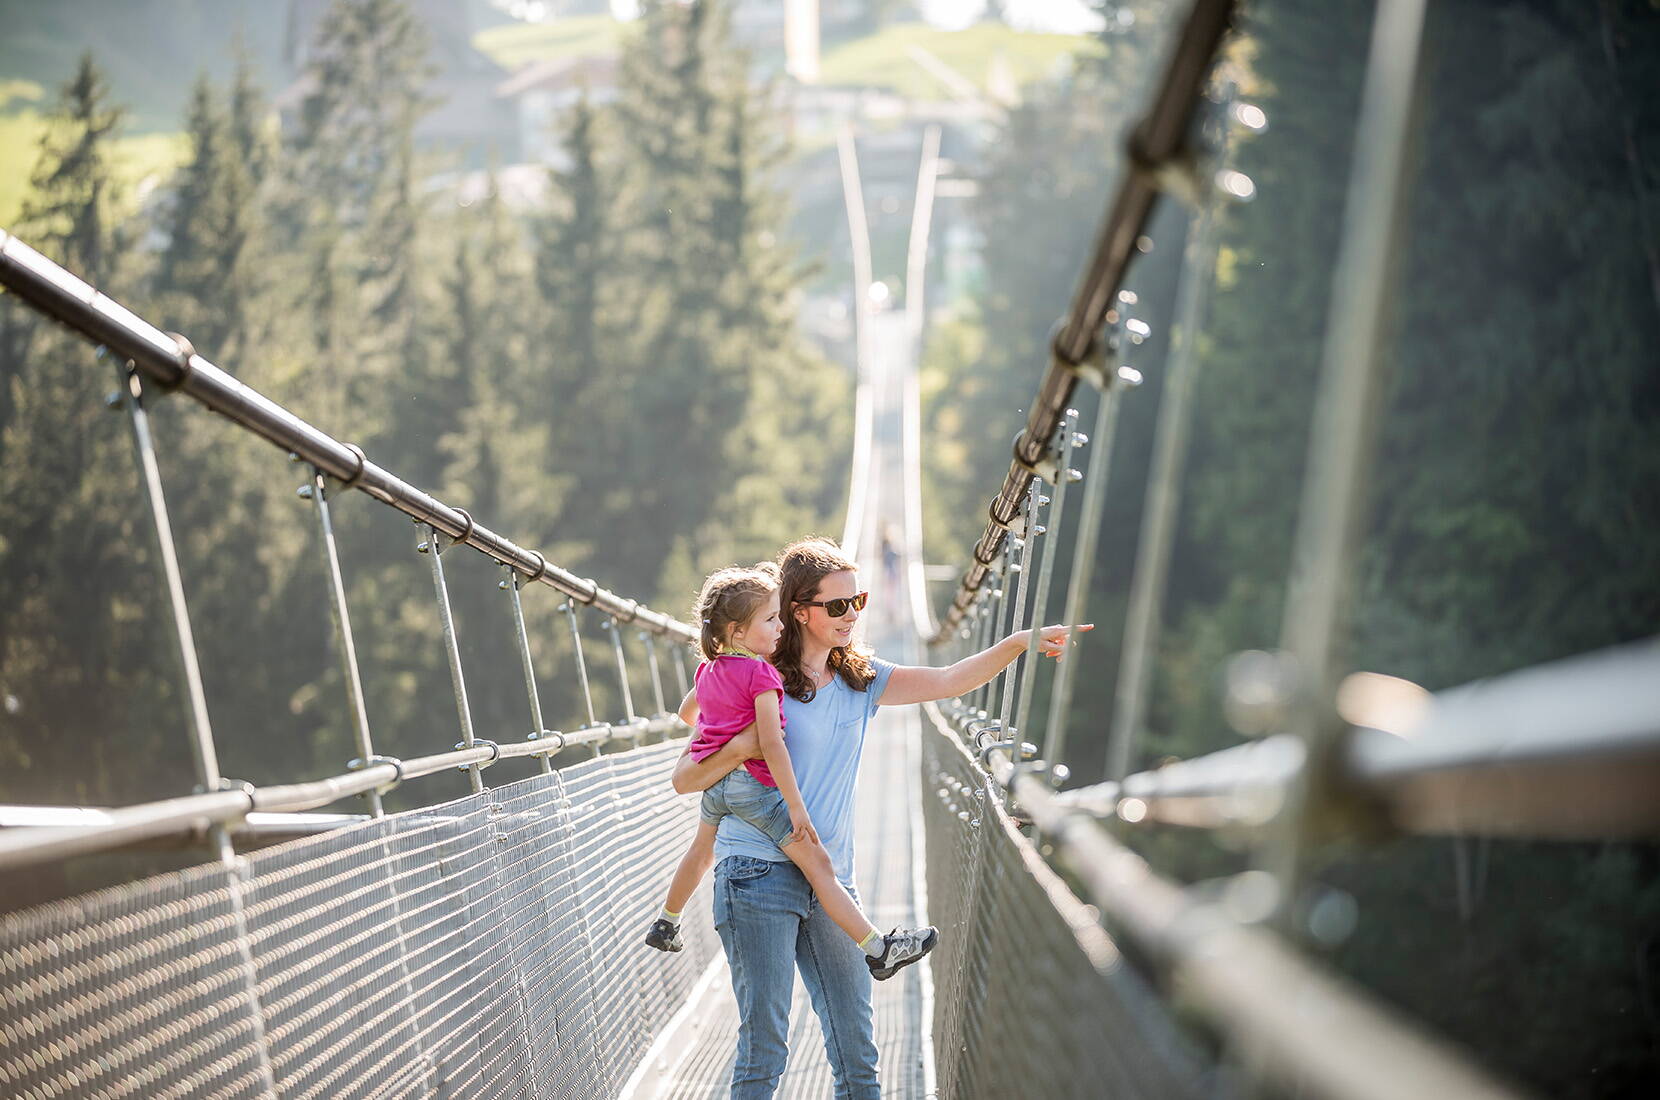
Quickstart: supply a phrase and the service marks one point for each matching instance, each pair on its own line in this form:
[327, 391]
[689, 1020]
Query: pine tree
[713, 361]
[83, 640]
[348, 199]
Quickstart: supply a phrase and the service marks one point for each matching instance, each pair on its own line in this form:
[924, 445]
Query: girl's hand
[803, 825]
[1052, 640]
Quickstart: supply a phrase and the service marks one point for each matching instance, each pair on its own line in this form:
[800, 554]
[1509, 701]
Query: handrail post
[433, 546]
[680, 672]
[1011, 673]
[511, 583]
[203, 753]
[317, 490]
[1142, 621]
[569, 609]
[1083, 549]
[1064, 475]
[656, 670]
[1344, 435]
[630, 719]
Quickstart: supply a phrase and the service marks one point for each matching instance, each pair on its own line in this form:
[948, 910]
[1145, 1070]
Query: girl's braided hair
[730, 598]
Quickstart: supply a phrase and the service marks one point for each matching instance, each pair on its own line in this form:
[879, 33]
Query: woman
[765, 913]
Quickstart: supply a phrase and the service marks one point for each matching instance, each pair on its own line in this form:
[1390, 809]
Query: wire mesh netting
[1031, 998]
[489, 947]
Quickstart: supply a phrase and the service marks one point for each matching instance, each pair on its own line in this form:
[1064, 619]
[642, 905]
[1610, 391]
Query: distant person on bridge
[735, 688]
[764, 910]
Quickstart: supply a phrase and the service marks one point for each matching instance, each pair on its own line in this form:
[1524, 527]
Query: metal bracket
[495, 753]
[397, 766]
[544, 735]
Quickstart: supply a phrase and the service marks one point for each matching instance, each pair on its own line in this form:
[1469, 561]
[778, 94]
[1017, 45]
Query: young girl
[737, 686]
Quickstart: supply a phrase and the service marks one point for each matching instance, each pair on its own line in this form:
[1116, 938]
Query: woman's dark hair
[802, 567]
[729, 598]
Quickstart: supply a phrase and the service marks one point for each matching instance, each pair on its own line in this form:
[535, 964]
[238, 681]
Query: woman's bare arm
[923, 684]
[691, 776]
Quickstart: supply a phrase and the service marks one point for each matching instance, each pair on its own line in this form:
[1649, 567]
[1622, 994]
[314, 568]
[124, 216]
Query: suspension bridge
[490, 945]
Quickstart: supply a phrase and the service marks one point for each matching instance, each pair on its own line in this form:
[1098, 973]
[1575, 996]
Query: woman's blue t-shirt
[825, 738]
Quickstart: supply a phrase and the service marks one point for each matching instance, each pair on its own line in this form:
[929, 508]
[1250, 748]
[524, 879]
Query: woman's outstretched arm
[923, 684]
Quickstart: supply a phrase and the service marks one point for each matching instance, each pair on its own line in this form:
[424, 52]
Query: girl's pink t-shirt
[726, 691]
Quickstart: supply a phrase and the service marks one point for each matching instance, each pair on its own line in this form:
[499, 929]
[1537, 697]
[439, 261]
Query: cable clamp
[495, 753]
[185, 362]
[1176, 175]
[397, 767]
[989, 747]
[1091, 366]
[1009, 523]
[241, 786]
[544, 735]
[357, 470]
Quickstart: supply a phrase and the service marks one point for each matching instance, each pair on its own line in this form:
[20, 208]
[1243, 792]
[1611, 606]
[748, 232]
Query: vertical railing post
[680, 672]
[994, 617]
[433, 545]
[1344, 435]
[1051, 530]
[316, 490]
[630, 719]
[203, 754]
[1023, 547]
[570, 610]
[650, 641]
[511, 582]
[1083, 550]
[1143, 619]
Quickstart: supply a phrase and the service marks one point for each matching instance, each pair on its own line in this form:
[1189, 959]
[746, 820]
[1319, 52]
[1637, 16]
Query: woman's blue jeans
[770, 923]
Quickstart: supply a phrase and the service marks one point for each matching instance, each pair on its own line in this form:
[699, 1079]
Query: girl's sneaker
[901, 948]
[664, 936]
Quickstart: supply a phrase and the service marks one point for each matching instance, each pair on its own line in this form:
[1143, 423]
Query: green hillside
[889, 58]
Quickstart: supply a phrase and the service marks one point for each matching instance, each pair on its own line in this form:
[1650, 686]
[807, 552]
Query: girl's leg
[693, 866]
[833, 897]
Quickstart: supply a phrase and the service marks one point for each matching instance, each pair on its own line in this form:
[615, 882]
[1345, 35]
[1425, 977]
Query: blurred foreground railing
[1569, 750]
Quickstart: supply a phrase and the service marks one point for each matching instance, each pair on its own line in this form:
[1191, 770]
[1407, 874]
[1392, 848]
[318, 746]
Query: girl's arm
[778, 762]
[923, 684]
[688, 708]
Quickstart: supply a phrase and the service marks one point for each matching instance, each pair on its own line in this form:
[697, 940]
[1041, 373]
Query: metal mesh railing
[1032, 997]
[485, 947]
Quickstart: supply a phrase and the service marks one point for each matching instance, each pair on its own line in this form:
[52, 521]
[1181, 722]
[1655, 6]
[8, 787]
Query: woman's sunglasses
[836, 608]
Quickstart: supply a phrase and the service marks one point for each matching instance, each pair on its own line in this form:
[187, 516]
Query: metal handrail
[173, 365]
[25, 846]
[1568, 750]
[1298, 1023]
[1159, 160]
